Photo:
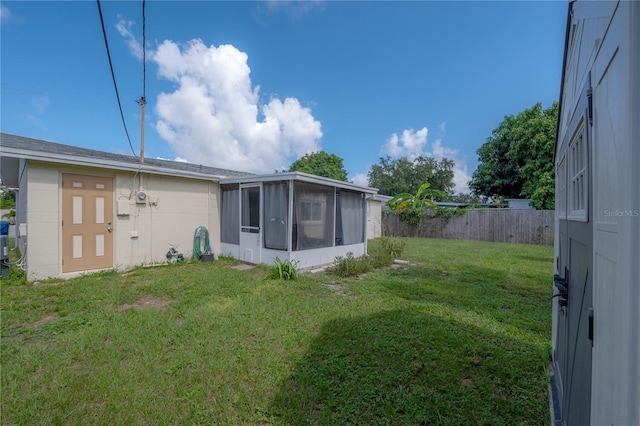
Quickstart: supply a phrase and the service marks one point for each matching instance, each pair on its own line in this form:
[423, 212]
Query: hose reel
[201, 244]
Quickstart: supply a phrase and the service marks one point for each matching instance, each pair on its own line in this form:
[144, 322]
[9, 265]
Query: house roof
[13, 146]
[300, 177]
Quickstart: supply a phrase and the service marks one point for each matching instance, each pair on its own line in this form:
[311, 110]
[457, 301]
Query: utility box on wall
[123, 208]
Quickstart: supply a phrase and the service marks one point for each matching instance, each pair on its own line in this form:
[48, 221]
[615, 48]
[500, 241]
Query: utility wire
[143, 100]
[113, 75]
[144, 53]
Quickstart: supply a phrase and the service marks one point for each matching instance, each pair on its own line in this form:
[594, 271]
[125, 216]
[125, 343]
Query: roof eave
[103, 163]
[301, 177]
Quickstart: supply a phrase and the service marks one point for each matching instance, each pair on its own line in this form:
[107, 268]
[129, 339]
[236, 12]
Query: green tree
[543, 198]
[402, 175]
[321, 164]
[517, 159]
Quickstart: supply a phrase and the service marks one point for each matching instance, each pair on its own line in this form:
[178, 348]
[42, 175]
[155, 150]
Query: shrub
[385, 250]
[17, 276]
[382, 253]
[11, 215]
[7, 203]
[350, 265]
[227, 258]
[283, 270]
[393, 246]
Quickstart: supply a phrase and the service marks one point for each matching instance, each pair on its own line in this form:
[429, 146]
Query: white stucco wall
[324, 256]
[374, 219]
[43, 221]
[182, 205]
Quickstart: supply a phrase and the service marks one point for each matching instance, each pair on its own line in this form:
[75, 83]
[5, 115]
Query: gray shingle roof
[23, 147]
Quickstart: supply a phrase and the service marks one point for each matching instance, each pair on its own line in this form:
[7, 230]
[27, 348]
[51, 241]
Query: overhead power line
[21, 89]
[113, 76]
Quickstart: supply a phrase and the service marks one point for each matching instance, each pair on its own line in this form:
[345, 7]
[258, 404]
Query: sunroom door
[250, 231]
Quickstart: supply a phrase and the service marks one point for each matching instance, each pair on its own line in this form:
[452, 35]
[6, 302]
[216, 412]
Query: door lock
[561, 285]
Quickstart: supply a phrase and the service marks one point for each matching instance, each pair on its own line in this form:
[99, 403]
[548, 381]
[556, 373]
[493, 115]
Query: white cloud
[461, 176]
[124, 28]
[409, 144]
[360, 179]
[295, 9]
[41, 103]
[212, 117]
[412, 144]
[5, 13]
[177, 159]
[439, 152]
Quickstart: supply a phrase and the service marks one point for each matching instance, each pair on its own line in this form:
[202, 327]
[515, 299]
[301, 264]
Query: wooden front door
[87, 222]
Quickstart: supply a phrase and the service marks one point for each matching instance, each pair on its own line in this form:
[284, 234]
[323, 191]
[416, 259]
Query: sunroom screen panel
[276, 203]
[230, 215]
[351, 206]
[313, 216]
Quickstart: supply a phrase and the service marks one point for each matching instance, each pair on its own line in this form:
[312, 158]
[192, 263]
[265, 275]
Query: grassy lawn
[460, 336]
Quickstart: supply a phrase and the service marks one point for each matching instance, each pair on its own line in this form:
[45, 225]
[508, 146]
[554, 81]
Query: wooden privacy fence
[498, 225]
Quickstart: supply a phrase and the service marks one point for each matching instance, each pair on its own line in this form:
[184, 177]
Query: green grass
[6, 204]
[461, 336]
[16, 275]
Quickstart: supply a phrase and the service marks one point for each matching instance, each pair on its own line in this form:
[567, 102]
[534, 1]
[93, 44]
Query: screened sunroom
[294, 216]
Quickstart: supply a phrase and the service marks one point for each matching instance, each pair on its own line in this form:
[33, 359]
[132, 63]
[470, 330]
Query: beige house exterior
[81, 210]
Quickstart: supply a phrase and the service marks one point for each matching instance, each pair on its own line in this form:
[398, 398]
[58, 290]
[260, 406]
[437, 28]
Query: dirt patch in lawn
[45, 319]
[146, 302]
[338, 289]
[242, 267]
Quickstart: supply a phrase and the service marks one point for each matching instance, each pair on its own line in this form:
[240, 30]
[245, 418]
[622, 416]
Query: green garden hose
[201, 243]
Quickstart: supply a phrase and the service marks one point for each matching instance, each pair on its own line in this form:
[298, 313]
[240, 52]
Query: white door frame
[250, 221]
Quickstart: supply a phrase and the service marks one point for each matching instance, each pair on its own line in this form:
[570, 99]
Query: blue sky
[254, 85]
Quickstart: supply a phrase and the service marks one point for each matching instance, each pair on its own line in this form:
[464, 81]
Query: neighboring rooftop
[35, 149]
